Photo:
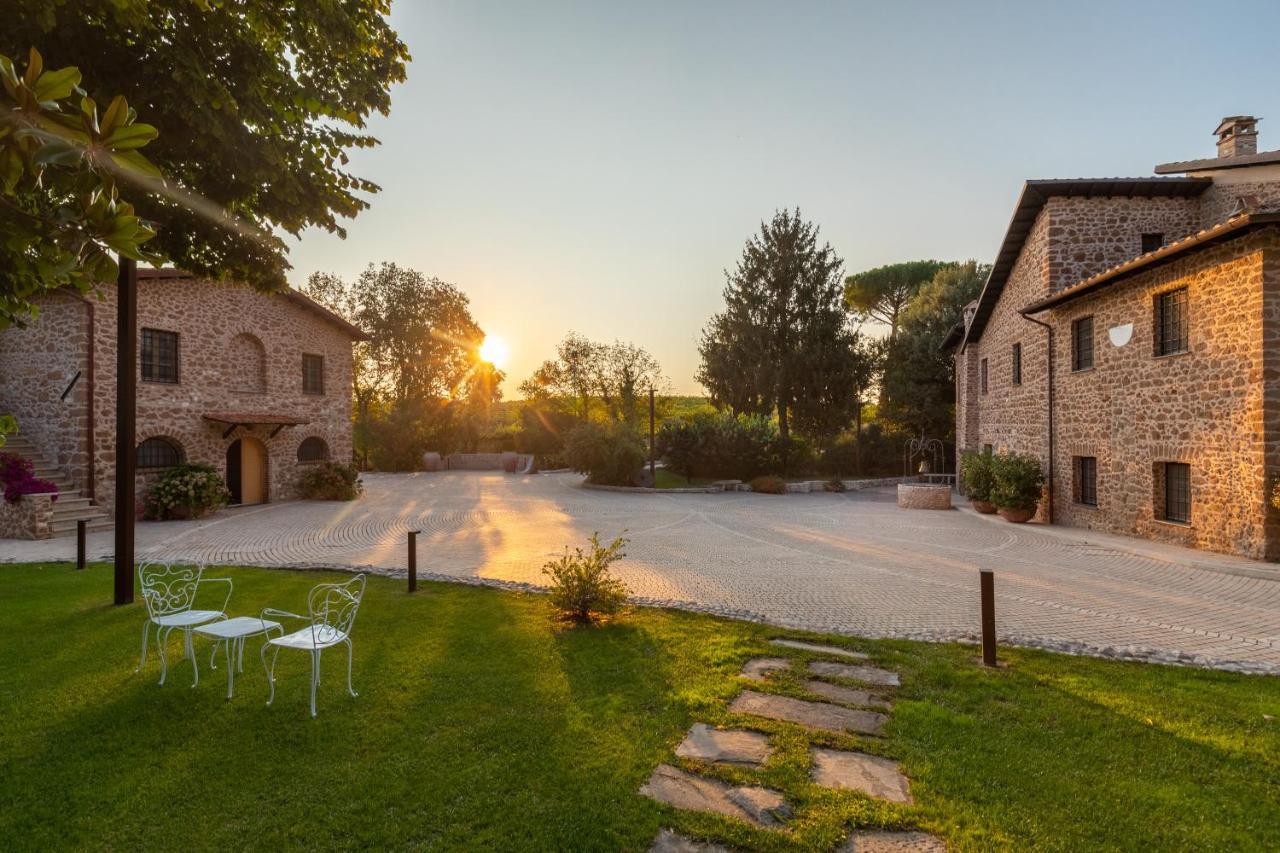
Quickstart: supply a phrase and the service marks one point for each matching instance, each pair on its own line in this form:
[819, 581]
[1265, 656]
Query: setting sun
[494, 350]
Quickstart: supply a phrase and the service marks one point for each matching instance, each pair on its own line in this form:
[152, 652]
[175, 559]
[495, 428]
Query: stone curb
[798, 487]
[1139, 654]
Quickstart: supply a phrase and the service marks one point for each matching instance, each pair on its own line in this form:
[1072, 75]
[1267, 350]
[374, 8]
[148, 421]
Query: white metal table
[232, 633]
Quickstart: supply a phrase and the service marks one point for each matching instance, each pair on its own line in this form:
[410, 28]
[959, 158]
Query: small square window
[159, 356]
[1177, 492]
[1084, 480]
[1082, 344]
[312, 374]
[1151, 242]
[1017, 364]
[982, 371]
[1171, 322]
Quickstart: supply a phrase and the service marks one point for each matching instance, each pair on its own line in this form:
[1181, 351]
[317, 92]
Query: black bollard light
[988, 586]
[413, 560]
[80, 534]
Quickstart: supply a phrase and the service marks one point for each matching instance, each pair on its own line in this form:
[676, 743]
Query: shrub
[793, 456]
[582, 588]
[189, 490]
[17, 476]
[769, 485]
[1017, 481]
[329, 481]
[608, 454]
[718, 445]
[977, 475]
[841, 457]
[835, 485]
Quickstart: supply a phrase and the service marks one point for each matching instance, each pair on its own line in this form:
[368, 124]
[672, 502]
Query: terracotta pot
[984, 507]
[1017, 516]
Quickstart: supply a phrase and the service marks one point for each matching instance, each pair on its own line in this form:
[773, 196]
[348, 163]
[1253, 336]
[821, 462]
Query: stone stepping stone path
[856, 771]
[873, 775]
[880, 841]
[757, 669]
[757, 806]
[727, 746]
[670, 841]
[848, 695]
[819, 649]
[812, 715]
[865, 674]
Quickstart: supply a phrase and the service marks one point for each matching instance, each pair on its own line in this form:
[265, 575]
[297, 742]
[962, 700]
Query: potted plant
[975, 471]
[1018, 483]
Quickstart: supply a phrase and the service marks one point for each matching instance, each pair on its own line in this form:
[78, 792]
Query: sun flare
[494, 350]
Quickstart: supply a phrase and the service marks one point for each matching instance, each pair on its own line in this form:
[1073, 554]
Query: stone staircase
[71, 505]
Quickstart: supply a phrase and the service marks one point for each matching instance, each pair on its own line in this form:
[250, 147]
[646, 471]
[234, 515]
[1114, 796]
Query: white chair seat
[322, 637]
[187, 618]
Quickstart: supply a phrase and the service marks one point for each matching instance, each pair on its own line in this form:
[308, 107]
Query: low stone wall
[506, 461]
[798, 487]
[30, 518]
[924, 496]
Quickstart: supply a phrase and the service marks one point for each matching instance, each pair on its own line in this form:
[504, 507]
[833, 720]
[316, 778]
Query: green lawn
[664, 479]
[482, 724]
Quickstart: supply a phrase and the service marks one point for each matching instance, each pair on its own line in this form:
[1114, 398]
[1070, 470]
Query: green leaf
[89, 111]
[115, 114]
[56, 85]
[135, 164]
[34, 66]
[130, 136]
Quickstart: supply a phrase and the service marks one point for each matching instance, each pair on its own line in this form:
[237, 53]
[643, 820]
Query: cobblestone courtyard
[848, 563]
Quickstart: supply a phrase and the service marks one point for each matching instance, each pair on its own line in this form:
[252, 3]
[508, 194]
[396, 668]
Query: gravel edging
[1137, 654]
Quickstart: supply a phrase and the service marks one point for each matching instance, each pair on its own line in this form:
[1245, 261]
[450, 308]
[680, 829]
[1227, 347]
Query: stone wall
[37, 363]
[30, 517]
[1135, 410]
[1260, 184]
[924, 496]
[1089, 235]
[239, 351]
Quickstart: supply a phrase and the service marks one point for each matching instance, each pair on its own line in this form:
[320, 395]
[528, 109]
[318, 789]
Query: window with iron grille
[1082, 344]
[158, 453]
[159, 356]
[982, 371]
[313, 449]
[1017, 364]
[1171, 322]
[1177, 492]
[312, 374]
[1151, 242]
[1085, 479]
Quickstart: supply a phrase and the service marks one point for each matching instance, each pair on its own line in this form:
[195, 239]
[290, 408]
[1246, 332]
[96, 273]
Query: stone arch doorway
[247, 471]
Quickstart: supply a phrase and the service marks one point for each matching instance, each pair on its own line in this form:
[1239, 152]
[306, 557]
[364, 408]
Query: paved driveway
[851, 563]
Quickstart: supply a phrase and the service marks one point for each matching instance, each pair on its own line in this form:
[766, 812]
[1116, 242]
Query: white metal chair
[170, 595]
[332, 609]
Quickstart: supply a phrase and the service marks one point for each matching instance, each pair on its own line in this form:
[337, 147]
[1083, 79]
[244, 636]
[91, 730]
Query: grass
[664, 479]
[484, 724]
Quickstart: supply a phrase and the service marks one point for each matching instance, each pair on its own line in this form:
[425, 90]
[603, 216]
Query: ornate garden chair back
[333, 608]
[168, 589]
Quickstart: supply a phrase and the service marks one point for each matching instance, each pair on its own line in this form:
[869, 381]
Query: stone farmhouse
[256, 385]
[1129, 336]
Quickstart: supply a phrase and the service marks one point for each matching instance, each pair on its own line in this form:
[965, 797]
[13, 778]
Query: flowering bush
[189, 490]
[17, 475]
[769, 485]
[330, 481]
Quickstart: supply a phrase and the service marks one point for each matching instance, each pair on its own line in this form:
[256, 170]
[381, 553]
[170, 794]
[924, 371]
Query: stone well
[924, 496]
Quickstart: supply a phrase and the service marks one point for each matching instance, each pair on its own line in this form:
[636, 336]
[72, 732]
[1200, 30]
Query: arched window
[248, 366]
[313, 449]
[158, 453]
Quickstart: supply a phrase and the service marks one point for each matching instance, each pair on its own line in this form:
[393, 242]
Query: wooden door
[253, 471]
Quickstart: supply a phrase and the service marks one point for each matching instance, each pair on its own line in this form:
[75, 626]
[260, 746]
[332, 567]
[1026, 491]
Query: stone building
[256, 385]
[1129, 336]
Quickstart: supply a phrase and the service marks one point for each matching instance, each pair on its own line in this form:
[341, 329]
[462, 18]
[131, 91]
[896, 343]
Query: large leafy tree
[573, 375]
[257, 104]
[919, 378]
[882, 293]
[783, 343]
[61, 165]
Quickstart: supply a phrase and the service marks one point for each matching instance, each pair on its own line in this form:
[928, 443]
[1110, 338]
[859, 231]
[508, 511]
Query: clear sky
[595, 166]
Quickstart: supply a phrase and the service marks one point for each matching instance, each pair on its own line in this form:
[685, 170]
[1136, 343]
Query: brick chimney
[1237, 136]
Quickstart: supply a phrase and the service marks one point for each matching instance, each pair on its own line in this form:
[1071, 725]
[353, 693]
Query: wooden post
[80, 534]
[653, 480]
[987, 584]
[126, 424]
[413, 560]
